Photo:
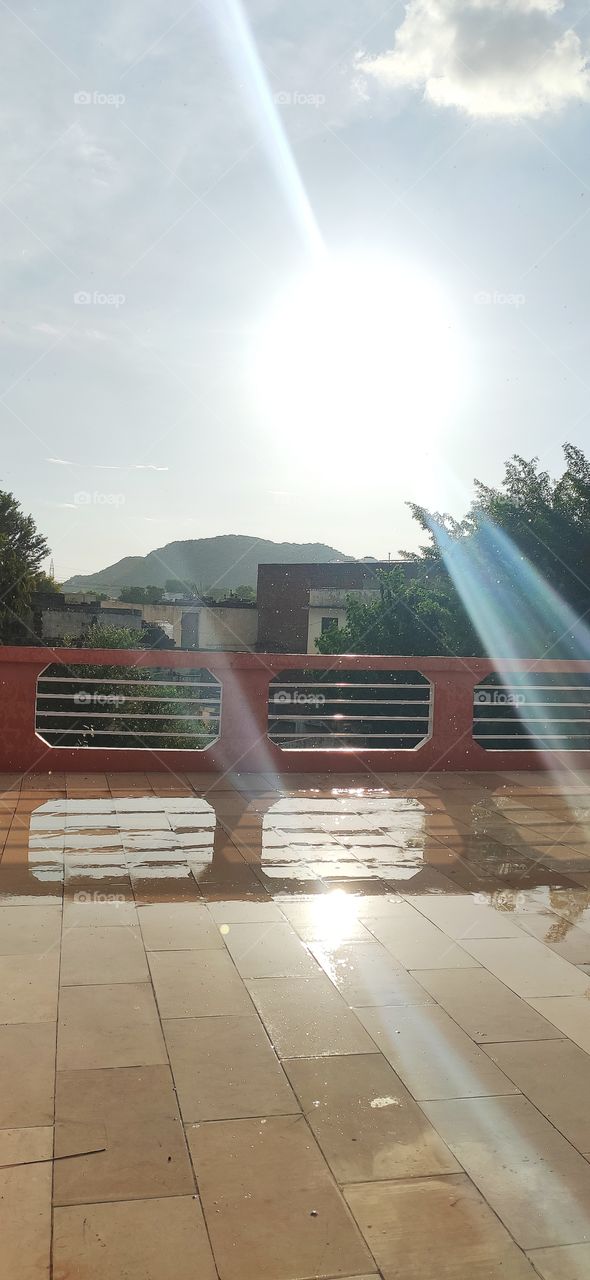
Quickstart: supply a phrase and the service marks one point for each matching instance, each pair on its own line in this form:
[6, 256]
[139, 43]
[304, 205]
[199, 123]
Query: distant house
[296, 602]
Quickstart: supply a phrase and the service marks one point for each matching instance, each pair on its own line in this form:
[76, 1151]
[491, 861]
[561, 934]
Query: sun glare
[358, 348]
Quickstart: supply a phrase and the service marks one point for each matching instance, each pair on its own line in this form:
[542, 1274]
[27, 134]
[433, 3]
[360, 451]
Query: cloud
[502, 59]
[103, 466]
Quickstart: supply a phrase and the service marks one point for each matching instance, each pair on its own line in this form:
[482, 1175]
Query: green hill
[230, 560]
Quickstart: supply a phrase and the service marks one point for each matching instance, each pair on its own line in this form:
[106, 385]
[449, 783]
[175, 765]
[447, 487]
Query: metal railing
[533, 711]
[383, 711]
[149, 707]
[109, 710]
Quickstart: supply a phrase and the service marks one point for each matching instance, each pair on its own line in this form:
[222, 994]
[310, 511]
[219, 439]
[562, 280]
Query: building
[296, 602]
[228, 624]
[57, 619]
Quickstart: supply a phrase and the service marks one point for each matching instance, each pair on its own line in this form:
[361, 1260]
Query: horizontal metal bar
[532, 720]
[531, 702]
[485, 688]
[512, 737]
[116, 715]
[328, 736]
[339, 716]
[346, 684]
[154, 684]
[59, 697]
[360, 702]
[123, 733]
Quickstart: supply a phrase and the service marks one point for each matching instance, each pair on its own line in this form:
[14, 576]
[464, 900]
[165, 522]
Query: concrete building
[229, 625]
[296, 602]
[57, 619]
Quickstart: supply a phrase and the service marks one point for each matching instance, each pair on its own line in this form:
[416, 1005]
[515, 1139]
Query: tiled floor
[295, 1028]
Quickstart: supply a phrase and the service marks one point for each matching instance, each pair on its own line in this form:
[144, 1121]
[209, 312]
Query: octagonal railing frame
[243, 744]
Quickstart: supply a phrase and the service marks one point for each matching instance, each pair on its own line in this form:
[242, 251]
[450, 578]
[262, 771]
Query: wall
[172, 613]
[285, 591]
[75, 620]
[234, 628]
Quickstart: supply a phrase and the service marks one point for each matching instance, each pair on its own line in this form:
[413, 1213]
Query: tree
[509, 579]
[22, 548]
[410, 617]
[141, 595]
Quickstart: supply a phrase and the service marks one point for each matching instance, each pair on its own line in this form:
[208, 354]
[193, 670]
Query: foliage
[105, 635]
[526, 547]
[243, 593]
[22, 549]
[411, 616]
[141, 595]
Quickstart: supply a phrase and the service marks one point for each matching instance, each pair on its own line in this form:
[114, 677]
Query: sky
[277, 268]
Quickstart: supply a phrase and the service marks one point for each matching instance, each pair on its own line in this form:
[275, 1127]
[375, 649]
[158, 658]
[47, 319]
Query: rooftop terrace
[280, 1026]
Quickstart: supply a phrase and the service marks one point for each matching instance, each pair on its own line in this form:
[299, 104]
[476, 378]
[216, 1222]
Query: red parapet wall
[243, 744]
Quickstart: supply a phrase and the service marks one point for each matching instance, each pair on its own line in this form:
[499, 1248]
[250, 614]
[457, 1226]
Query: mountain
[227, 561]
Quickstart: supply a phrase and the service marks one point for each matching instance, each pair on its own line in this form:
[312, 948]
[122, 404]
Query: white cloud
[498, 59]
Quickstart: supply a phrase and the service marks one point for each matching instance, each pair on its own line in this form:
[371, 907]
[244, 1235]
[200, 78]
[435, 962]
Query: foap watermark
[95, 98]
[83, 298]
[502, 899]
[85, 499]
[296, 98]
[485, 298]
[84, 698]
[83, 896]
[285, 697]
[498, 698]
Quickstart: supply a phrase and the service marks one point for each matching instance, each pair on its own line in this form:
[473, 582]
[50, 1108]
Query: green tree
[410, 617]
[141, 595]
[22, 548]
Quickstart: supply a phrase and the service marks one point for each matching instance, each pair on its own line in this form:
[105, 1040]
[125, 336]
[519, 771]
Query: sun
[362, 349]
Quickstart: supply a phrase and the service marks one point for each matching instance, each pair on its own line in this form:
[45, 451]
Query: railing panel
[92, 705]
[533, 711]
[328, 710]
[210, 711]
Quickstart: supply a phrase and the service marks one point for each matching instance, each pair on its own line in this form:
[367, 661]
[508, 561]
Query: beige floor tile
[132, 1111]
[570, 1014]
[570, 1262]
[534, 1180]
[114, 1025]
[28, 988]
[484, 1007]
[136, 1239]
[327, 917]
[195, 984]
[25, 1203]
[305, 1017]
[268, 950]
[364, 1119]
[460, 916]
[556, 1080]
[560, 935]
[528, 968]
[227, 912]
[178, 926]
[27, 1074]
[437, 1229]
[225, 1068]
[417, 943]
[430, 1053]
[29, 930]
[271, 1205]
[103, 955]
[367, 974]
[88, 909]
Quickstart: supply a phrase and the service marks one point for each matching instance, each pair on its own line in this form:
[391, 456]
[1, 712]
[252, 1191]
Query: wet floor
[294, 1028]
